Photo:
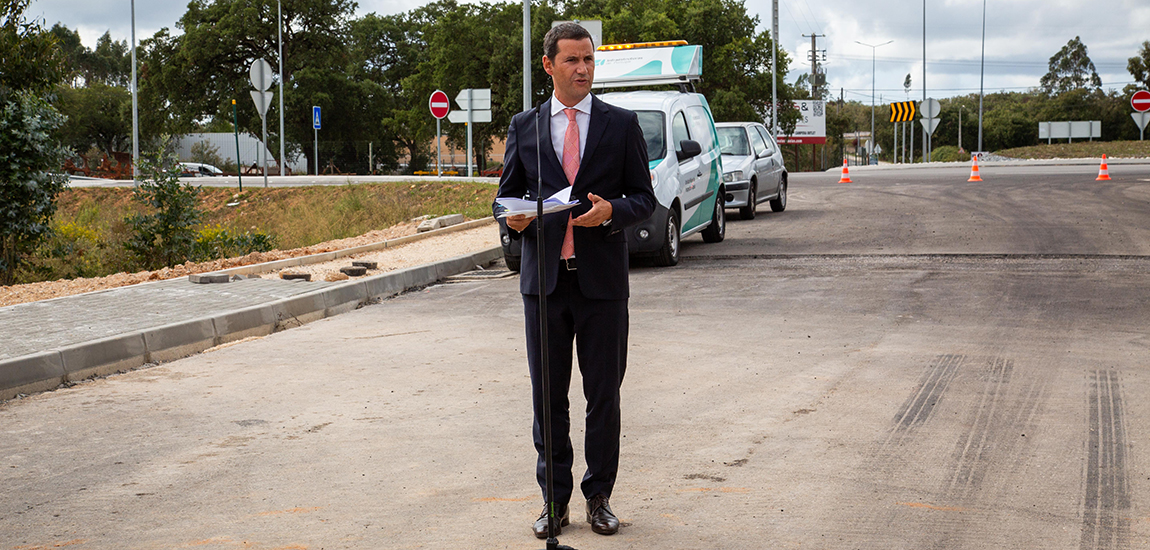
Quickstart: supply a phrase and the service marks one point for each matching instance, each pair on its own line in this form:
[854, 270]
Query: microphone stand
[540, 248]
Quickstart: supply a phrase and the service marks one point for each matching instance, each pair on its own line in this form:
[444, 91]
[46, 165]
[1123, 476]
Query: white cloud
[1021, 35]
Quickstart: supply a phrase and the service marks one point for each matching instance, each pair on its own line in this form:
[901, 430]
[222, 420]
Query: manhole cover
[481, 275]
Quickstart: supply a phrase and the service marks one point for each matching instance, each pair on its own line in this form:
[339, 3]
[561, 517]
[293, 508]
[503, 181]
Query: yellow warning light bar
[637, 45]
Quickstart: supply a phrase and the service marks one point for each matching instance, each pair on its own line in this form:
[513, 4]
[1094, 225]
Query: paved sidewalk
[46, 343]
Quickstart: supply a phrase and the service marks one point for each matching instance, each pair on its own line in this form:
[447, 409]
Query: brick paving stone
[38, 326]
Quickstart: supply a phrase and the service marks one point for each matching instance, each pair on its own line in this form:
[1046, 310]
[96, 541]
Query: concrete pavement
[51, 342]
[905, 363]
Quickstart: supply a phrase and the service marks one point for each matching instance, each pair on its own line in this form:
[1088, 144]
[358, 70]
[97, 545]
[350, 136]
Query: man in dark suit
[599, 150]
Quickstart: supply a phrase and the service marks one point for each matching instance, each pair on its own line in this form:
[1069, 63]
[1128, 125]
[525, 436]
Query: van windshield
[733, 141]
[654, 132]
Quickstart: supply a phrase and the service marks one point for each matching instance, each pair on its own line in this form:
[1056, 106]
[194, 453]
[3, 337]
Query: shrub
[166, 236]
[216, 241]
[948, 153]
[27, 190]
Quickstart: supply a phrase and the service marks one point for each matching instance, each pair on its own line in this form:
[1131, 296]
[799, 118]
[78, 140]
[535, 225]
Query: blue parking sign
[315, 117]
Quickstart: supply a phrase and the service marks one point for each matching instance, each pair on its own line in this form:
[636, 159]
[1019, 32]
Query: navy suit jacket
[614, 167]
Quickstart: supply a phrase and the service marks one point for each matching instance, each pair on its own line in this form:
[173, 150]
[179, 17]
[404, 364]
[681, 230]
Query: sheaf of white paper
[558, 202]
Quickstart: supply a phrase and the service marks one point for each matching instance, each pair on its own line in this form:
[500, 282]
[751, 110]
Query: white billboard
[812, 126]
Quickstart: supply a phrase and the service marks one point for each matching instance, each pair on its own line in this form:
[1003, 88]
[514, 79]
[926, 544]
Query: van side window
[679, 130]
[758, 144]
[701, 127]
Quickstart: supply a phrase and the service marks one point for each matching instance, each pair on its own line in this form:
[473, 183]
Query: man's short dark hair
[563, 31]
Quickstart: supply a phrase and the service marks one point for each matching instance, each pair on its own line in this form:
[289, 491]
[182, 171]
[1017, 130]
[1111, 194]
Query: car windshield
[654, 132]
[733, 141]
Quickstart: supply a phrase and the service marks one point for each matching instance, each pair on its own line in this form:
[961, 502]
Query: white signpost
[930, 109]
[1140, 101]
[440, 107]
[261, 78]
[1141, 119]
[476, 107]
[315, 120]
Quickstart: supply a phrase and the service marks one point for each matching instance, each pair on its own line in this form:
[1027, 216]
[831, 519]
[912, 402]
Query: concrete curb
[48, 369]
[990, 163]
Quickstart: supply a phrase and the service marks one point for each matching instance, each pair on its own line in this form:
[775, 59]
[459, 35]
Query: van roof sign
[647, 66]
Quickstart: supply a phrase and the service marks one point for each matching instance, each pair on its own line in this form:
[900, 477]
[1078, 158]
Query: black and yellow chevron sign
[902, 111]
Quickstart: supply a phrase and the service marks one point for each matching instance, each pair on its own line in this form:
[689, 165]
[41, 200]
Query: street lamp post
[960, 108]
[280, 37]
[873, 141]
[135, 105]
[981, 75]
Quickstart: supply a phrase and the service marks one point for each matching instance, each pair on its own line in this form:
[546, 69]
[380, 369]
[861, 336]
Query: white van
[682, 146]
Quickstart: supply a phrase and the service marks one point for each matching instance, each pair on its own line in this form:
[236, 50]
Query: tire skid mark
[922, 403]
[1106, 523]
[975, 445]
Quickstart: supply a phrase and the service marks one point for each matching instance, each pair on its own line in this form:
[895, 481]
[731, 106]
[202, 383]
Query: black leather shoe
[600, 516]
[564, 518]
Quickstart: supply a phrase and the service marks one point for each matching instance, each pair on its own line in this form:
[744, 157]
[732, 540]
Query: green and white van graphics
[682, 145]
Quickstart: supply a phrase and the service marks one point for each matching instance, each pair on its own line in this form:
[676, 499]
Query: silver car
[753, 169]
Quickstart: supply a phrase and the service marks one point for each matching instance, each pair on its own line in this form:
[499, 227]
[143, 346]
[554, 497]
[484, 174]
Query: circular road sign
[930, 108]
[439, 104]
[261, 75]
[1140, 101]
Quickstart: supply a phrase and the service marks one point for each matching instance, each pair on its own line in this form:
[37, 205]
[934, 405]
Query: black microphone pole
[541, 263]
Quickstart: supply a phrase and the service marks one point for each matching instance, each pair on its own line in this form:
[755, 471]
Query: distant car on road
[198, 169]
[753, 169]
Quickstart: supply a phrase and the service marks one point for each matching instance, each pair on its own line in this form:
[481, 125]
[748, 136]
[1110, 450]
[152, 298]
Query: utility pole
[816, 82]
[814, 56]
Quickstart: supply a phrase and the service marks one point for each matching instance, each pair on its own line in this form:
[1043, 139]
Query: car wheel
[668, 255]
[715, 232]
[512, 262]
[748, 212]
[780, 203]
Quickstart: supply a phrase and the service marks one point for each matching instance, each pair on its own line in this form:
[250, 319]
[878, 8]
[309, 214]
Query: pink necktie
[570, 168]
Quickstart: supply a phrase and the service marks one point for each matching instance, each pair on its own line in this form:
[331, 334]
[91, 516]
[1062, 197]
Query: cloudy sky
[1021, 35]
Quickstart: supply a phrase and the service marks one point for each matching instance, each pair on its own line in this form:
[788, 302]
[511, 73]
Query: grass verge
[1080, 149]
[90, 230]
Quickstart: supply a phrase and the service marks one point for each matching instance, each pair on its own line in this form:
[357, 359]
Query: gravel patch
[428, 250]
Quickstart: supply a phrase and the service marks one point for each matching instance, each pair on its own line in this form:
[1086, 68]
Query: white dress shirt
[559, 124]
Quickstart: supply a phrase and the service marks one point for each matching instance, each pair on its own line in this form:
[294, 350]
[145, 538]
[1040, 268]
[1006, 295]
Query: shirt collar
[583, 106]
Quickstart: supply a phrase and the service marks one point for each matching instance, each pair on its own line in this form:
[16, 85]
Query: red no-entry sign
[1140, 101]
[439, 104]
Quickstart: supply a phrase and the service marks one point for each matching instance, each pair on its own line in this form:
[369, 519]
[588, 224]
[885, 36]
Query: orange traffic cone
[1103, 171]
[846, 174]
[974, 169]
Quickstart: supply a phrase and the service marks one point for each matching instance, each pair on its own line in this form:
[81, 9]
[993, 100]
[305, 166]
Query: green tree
[98, 116]
[1139, 65]
[1070, 69]
[194, 76]
[31, 65]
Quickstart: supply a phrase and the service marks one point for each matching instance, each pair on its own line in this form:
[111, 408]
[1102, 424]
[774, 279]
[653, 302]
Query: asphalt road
[910, 361]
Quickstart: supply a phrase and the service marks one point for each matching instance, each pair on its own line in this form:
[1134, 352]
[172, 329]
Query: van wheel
[780, 203]
[748, 212]
[669, 254]
[512, 262]
[715, 232]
